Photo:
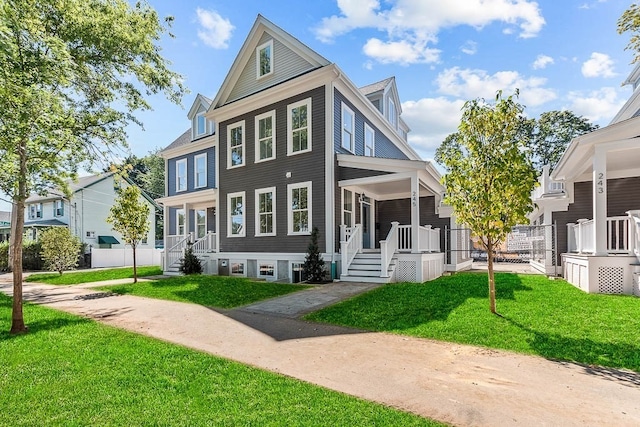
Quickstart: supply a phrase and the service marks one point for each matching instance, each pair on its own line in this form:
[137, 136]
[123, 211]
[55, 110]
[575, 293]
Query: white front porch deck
[398, 260]
[615, 272]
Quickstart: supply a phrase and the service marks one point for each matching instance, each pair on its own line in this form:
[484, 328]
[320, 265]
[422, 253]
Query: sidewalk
[461, 385]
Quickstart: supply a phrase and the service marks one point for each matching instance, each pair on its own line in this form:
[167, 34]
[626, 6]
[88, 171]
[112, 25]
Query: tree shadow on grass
[595, 358]
[43, 325]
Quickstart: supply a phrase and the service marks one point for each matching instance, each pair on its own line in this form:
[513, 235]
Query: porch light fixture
[288, 174]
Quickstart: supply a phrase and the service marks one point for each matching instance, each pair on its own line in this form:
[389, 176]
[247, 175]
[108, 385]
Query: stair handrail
[175, 252]
[207, 243]
[388, 249]
[350, 248]
[634, 232]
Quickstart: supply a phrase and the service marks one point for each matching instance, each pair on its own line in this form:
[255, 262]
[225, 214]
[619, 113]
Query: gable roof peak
[377, 86]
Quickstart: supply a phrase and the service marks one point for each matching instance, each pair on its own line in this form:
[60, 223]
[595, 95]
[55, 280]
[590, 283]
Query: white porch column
[600, 200]
[415, 214]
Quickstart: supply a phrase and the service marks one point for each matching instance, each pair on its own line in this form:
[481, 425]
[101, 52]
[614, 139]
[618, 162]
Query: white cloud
[403, 52]
[471, 84]
[597, 106]
[431, 120]
[542, 61]
[415, 21]
[469, 47]
[215, 31]
[599, 65]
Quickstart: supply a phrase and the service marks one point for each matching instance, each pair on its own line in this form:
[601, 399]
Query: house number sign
[414, 199]
[600, 183]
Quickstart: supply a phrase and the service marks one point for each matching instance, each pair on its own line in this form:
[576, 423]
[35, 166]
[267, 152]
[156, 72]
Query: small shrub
[4, 256]
[190, 264]
[32, 255]
[60, 249]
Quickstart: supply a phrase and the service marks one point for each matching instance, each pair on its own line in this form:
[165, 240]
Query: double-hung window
[347, 208]
[235, 145]
[348, 127]
[265, 136]
[299, 208]
[236, 223]
[369, 141]
[181, 175]
[201, 223]
[264, 59]
[58, 208]
[393, 119]
[299, 127]
[201, 125]
[200, 170]
[180, 222]
[265, 212]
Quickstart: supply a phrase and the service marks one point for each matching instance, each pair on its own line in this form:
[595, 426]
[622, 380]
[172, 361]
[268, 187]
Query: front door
[366, 223]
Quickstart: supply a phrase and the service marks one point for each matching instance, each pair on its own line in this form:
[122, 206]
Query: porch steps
[365, 267]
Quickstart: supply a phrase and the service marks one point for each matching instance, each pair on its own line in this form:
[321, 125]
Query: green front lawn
[72, 371]
[77, 277]
[212, 291]
[544, 317]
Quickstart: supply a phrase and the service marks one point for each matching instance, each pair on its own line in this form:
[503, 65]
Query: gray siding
[383, 145]
[622, 196]
[400, 210]
[286, 64]
[211, 171]
[304, 167]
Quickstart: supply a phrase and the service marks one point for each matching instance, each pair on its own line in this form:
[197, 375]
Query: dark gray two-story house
[288, 144]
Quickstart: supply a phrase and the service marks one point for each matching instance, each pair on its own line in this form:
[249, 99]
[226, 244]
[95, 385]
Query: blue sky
[560, 54]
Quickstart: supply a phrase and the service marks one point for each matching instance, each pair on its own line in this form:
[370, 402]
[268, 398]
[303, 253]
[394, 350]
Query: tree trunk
[135, 268]
[17, 318]
[492, 281]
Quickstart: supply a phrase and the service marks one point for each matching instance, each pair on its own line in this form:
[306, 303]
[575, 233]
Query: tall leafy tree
[129, 216]
[551, 133]
[72, 75]
[489, 176]
[629, 22]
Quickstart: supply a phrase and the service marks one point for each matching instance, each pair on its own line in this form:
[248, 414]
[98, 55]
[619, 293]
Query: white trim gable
[247, 52]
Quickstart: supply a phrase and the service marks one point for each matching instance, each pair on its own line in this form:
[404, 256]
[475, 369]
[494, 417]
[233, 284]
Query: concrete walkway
[461, 385]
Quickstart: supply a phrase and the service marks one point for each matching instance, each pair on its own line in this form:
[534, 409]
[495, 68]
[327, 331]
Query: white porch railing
[634, 224]
[429, 239]
[388, 248]
[621, 235]
[171, 241]
[175, 252]
[350, 246]
[205, 244]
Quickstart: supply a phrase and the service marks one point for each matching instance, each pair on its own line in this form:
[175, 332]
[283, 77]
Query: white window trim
[195, 128]
[239, 124]
[373, 145]
[258, 49]
[257, 210]
[352, 143]
[344, 192]
[290, 107]
[59, 203]
[186, 184]
[291, 187]
[244, 214]
[270, 263]
[184, 225]
[271, 114]
[195, 218]
[195, 170]
[393, 118]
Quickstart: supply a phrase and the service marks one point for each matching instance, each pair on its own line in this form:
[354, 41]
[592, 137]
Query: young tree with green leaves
[630, 22]
[72, 75]
[60, 249]
[489, 176]
[129, 216]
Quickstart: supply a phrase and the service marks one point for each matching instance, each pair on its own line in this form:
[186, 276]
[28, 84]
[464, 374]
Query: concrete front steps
[366, 268]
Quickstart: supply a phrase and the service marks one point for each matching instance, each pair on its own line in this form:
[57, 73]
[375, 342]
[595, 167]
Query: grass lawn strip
[73, 371]
[77, 277]
[549, 318]
[211, 291]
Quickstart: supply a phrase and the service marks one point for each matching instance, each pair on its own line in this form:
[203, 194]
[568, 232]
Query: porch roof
[206, 197]
[396, 182]
[620, 141]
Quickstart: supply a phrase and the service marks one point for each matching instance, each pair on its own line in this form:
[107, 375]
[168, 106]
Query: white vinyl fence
[123, 257]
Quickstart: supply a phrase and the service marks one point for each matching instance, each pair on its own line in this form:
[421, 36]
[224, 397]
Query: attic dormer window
[201, 124]
[264, 59]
